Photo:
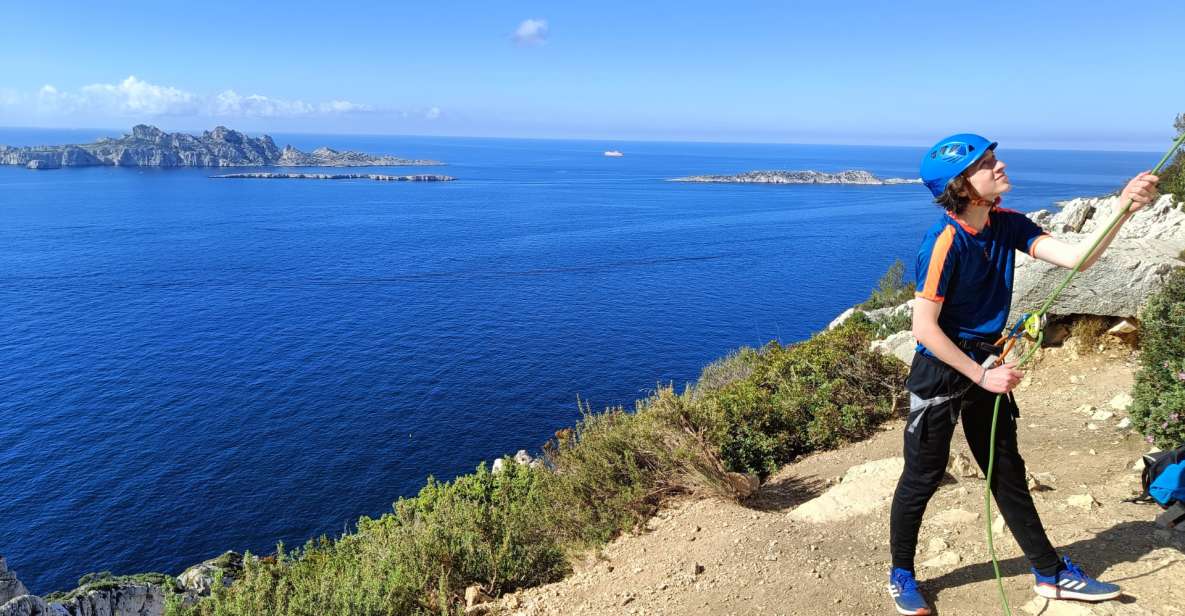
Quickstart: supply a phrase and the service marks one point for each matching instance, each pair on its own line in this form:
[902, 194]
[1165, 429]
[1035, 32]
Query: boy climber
[964, 290]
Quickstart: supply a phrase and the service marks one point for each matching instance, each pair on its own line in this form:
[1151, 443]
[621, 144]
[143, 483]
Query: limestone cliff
[149, 146]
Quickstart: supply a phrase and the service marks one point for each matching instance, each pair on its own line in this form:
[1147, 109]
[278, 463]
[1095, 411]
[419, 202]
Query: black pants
[939, 394]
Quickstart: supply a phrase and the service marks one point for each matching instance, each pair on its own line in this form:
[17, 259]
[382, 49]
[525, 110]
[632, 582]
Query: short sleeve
[936, 264]
[1024, 233]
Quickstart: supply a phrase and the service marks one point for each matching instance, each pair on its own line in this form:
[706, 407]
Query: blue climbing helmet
[950, 157]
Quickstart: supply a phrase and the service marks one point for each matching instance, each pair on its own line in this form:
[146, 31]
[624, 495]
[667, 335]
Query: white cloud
[133, 96]
[138, 98]
[343, 107]
[230, 103]
[432, 113]
[531, 32]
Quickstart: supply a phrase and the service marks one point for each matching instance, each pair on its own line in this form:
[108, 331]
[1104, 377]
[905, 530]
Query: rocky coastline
[855, 176]
[149, 146]
[335, 176]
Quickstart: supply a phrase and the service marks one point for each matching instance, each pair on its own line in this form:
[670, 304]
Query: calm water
[194, 365]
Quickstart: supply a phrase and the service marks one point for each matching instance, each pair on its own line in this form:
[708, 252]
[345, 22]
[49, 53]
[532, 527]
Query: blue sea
[191, 365]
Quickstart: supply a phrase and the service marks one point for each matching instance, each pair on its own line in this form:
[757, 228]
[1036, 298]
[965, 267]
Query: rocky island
[335, 176]
[798, 177]
[149, 146]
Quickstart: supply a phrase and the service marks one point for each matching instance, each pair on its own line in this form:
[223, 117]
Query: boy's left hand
[1141, 191]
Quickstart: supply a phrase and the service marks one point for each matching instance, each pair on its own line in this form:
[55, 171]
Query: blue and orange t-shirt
[970, 272]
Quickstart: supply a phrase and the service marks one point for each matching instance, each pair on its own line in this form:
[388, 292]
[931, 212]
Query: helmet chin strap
[976, 198]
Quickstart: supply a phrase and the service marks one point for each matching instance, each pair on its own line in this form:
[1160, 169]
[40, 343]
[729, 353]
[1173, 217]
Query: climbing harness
[1033, 324]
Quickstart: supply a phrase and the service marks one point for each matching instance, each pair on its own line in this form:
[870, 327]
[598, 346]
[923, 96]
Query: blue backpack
[1163, 478]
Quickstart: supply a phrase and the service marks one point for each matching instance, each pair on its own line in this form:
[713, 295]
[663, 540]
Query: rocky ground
[790, 549]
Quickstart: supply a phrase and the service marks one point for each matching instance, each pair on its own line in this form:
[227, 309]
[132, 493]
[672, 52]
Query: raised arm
[1141, 191]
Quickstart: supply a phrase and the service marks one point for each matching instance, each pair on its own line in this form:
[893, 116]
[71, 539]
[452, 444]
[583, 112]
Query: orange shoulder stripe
[937, 261]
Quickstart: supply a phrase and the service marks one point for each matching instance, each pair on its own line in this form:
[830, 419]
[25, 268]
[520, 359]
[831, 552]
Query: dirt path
[714, 557]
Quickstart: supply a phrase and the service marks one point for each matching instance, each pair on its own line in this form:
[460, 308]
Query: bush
[483, 527]
[1172, 177]
[617, 468]
[817, 394]
[736, 366]
[1159, 391]
[891, 290]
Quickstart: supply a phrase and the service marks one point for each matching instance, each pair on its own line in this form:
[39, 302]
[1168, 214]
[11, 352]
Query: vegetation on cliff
[749, 413]
[1172, 178]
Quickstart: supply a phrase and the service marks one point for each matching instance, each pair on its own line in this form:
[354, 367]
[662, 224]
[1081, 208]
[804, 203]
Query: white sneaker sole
[1053, 592]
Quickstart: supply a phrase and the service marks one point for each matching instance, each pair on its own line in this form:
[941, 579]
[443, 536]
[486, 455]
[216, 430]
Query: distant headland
[798, 177]
[149, 146]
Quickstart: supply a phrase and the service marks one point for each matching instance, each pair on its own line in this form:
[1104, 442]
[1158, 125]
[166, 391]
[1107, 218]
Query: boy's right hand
[1001, 379]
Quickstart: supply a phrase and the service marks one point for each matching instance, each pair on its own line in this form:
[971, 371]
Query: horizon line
[559, 138]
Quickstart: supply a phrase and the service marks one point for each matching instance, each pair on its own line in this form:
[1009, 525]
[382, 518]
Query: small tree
[891, 290]
[1159, 408]
[1172, 178]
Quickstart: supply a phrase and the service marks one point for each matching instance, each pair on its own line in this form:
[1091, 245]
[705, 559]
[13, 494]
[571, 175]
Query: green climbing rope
[1032, 327]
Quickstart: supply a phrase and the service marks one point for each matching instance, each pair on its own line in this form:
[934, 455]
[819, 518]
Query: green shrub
[616, 468]
[891, 290]
[1159, 392]
[481, 528]
[736, 366]
[817, 394]
[1172, 177]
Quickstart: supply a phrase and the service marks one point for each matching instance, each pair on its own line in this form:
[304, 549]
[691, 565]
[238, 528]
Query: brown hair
[955, 198]
[959, 195]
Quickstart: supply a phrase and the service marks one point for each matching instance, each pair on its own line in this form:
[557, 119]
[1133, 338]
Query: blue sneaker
[1072, 583]
[905, 593]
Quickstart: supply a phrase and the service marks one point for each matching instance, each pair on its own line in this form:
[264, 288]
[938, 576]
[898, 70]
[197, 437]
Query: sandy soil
[715, 557]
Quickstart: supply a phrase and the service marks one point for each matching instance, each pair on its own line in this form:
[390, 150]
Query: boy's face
[988, 178]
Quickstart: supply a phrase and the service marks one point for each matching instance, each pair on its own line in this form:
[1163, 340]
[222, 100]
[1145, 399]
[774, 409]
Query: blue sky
[1033, 74]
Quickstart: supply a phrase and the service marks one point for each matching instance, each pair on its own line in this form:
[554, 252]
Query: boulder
[1085, 502]
[865, 489]
[961, 467]
[900, 345]
[125, 599]
[522, 457]
[27, 605]
[41, 163]
[1121, 402]
[843, 316]
[199, 579]
[10, 587]
[1131, 270]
